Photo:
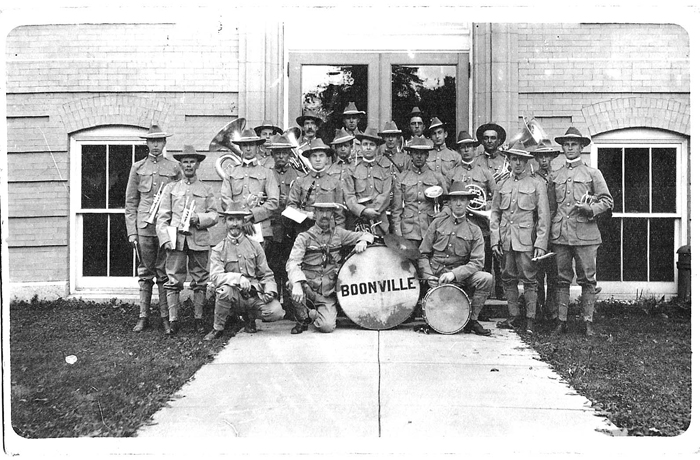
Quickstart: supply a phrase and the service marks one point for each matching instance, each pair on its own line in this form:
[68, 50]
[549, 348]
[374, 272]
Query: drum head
[446, 309]
[377, 289]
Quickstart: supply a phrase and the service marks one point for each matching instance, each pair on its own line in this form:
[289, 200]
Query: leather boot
[214, 334]
[173, 327]
[530, 327]
[162, 299]
[145, 291]
[199, 298]
[198, 325]
[250, 326]
[166, 326]
[478, 329]
[507, 324]
[589, 328]
[173, 300]
[560, 329]
[301, 326]
[141, 325]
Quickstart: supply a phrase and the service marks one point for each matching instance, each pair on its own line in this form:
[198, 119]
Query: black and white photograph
[341, 229]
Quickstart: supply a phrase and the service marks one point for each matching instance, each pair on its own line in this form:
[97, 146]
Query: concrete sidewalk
[370, 384]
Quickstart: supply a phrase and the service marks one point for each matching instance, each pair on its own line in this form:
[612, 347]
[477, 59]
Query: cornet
[187, 212]
[155, 205]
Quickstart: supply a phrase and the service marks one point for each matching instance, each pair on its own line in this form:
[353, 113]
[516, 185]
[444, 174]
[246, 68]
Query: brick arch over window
[113, 109]
[636, 112]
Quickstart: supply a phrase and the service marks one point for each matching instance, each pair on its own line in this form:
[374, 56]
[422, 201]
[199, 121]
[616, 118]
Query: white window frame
[650, 138]
[114, 135]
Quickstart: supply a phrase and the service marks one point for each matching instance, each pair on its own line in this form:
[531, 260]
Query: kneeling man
[313, 267]
[452, 251]
[243, 280]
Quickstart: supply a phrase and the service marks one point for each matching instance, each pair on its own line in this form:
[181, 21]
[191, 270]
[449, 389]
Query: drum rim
[425, 317]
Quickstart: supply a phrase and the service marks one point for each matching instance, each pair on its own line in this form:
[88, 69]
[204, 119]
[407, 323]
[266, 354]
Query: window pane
[636, 180]
[94, 244]
[661, 250]
[634, 249]
[93, 182]
[609, 252]
[328, 89]
[119, 166]
[663, 184]
[432, 88]
[121, 261]
[610, 164]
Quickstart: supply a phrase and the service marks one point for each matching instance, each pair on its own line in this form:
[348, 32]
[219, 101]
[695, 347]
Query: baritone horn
[230, 132]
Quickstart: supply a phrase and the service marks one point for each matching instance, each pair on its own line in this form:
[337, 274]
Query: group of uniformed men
[365, 184]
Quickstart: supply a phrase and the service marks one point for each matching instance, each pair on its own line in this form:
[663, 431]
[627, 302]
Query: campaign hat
[188, 151]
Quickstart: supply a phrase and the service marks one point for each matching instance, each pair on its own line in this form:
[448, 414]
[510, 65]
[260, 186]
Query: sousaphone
[232, 131]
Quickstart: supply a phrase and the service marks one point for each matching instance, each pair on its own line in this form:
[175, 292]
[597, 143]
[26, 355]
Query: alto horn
[232, 131]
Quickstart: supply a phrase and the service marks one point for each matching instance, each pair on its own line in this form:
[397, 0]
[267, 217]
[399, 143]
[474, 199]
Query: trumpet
[187, 212]
[298, 161]
[155, 205]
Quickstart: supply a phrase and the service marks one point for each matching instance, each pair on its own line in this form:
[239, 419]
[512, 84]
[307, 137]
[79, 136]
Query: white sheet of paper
[295, 215]
[172, 234]
[258, 236]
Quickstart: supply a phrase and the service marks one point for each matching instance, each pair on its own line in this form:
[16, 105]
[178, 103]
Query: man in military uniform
[266, 130]
[342, 146]
[147, 178]
[453, 252]
[243, 280]
[581, 194]
[351, 124]
[251, 186]
[520, 206]
[367, 188]
[189, 209]
[411, 211]
[313, 267]
[544, 153]
[416, 125]
[282, 240]
[442, 158]
[391, 149]
[306, 189]
[310, 123]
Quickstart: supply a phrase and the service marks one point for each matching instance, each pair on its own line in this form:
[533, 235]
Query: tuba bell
[231, 131]
[530, 135]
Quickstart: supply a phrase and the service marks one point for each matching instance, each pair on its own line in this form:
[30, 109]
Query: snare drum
[377, 289]
[446, 308]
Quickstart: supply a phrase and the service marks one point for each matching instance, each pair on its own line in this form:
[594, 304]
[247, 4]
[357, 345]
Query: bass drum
[377, 289]
[446, 309]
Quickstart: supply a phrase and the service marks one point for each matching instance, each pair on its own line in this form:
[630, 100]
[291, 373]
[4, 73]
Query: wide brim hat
[342, 136]
[267, 124]
[248, 136]
[416, 112]
[389, 129]
[518, 149]
[325, 202]
[311, 115]
[236, 209]
[317, 145]
[435, 123]
[545, 147]
[371, 135]
[279, 142]
[351, 109]
[572, 133]
[459, 188]
[491, 126]
[465, 137]
[188, 151]
[419, 144]
[155, 132]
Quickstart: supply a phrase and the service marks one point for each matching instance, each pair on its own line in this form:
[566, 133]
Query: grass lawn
[120, 377]
[636, 370]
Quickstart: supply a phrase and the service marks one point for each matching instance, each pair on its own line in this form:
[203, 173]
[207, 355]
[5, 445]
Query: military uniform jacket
[368, 185]
[443, 160]
[285, 178]
[520, 206]
[474, 173]
[546, 177]
[411, 211]
[340, 169]
[567, 186]
[177, 196]
[252, 187]
[399, 160]
[315, 256]
[495, 164]
[234, 257]
[145, 178]
[451, 244]
[306, 189]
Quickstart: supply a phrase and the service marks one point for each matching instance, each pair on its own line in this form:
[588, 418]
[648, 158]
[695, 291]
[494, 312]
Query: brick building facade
[78, 88]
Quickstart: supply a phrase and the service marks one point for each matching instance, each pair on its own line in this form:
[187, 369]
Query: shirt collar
[317, 174]
[574, 163]
[155, 158]
[252, 162]
[190, 181]
[459, 220]
[233, 240]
